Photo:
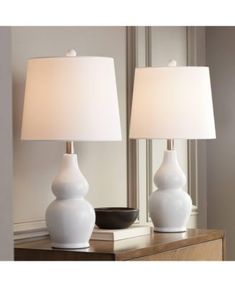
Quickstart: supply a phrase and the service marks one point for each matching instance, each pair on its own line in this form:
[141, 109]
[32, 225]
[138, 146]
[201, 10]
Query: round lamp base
[70, 245]
[169, 229]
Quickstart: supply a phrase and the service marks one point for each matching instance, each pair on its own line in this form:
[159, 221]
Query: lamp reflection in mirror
[71, 99]
[171, 103]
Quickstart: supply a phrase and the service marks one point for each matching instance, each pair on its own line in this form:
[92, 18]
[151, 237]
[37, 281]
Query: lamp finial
[172, 63]
[71, 53]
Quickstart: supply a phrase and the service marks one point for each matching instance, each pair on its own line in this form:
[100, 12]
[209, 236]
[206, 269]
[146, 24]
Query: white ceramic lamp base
[70, 218]
[170, 206]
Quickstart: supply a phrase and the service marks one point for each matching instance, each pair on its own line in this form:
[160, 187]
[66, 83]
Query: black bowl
[115, 217]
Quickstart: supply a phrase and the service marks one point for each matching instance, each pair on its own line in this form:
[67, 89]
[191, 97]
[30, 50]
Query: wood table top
[125, 249]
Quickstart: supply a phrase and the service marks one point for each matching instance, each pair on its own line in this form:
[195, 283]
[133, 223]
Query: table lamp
[70, 99]
[171, 103]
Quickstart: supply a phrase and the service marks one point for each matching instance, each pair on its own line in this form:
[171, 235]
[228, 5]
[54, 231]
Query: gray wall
[6, 241]
[220, 55]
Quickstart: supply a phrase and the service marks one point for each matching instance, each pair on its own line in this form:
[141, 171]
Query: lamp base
[70, 245]
[170, 206]
[169, 230]
[70, 218]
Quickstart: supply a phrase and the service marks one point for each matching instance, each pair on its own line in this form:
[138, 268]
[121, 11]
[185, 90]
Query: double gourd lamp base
[71, 99]
[170, 206]
[70, 218]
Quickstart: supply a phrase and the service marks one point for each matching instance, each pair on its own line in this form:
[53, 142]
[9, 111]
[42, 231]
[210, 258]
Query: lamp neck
[70, 147]
[170, 144]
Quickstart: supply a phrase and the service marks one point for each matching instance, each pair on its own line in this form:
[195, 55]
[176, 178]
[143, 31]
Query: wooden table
[195, 244]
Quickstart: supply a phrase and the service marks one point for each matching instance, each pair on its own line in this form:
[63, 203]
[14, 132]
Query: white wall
[36, 163]
[6, 238]
[220, 55]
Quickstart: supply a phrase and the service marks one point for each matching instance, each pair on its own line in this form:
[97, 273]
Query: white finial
[172, 63]
[71, 53]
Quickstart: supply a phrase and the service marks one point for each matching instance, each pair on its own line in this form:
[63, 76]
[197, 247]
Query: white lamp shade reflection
[171, 103]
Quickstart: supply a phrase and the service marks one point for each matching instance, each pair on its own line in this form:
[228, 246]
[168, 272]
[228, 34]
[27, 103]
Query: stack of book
[119, 234]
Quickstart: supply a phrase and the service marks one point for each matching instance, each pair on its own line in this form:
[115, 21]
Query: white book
[118, 234]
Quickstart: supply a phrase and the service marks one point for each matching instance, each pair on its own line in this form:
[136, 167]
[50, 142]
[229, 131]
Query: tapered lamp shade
[172, 103]
[72, 99]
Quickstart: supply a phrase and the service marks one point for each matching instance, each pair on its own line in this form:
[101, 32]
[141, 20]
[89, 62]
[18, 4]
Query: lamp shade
[71, 98]
[172, 103]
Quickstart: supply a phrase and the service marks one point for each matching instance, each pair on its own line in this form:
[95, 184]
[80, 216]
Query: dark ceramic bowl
[115, 217]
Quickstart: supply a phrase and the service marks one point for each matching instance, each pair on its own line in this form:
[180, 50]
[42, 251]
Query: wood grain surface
[127, 249]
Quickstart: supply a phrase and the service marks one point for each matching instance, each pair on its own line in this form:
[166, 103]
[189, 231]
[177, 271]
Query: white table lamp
[171, 103]
[70, 99]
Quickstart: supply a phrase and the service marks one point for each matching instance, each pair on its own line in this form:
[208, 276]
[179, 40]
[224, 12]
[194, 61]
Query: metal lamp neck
[70, 147]
[170, 144]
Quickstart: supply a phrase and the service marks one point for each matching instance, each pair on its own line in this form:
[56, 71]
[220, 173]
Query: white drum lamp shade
[71, 99]
[171, 103]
